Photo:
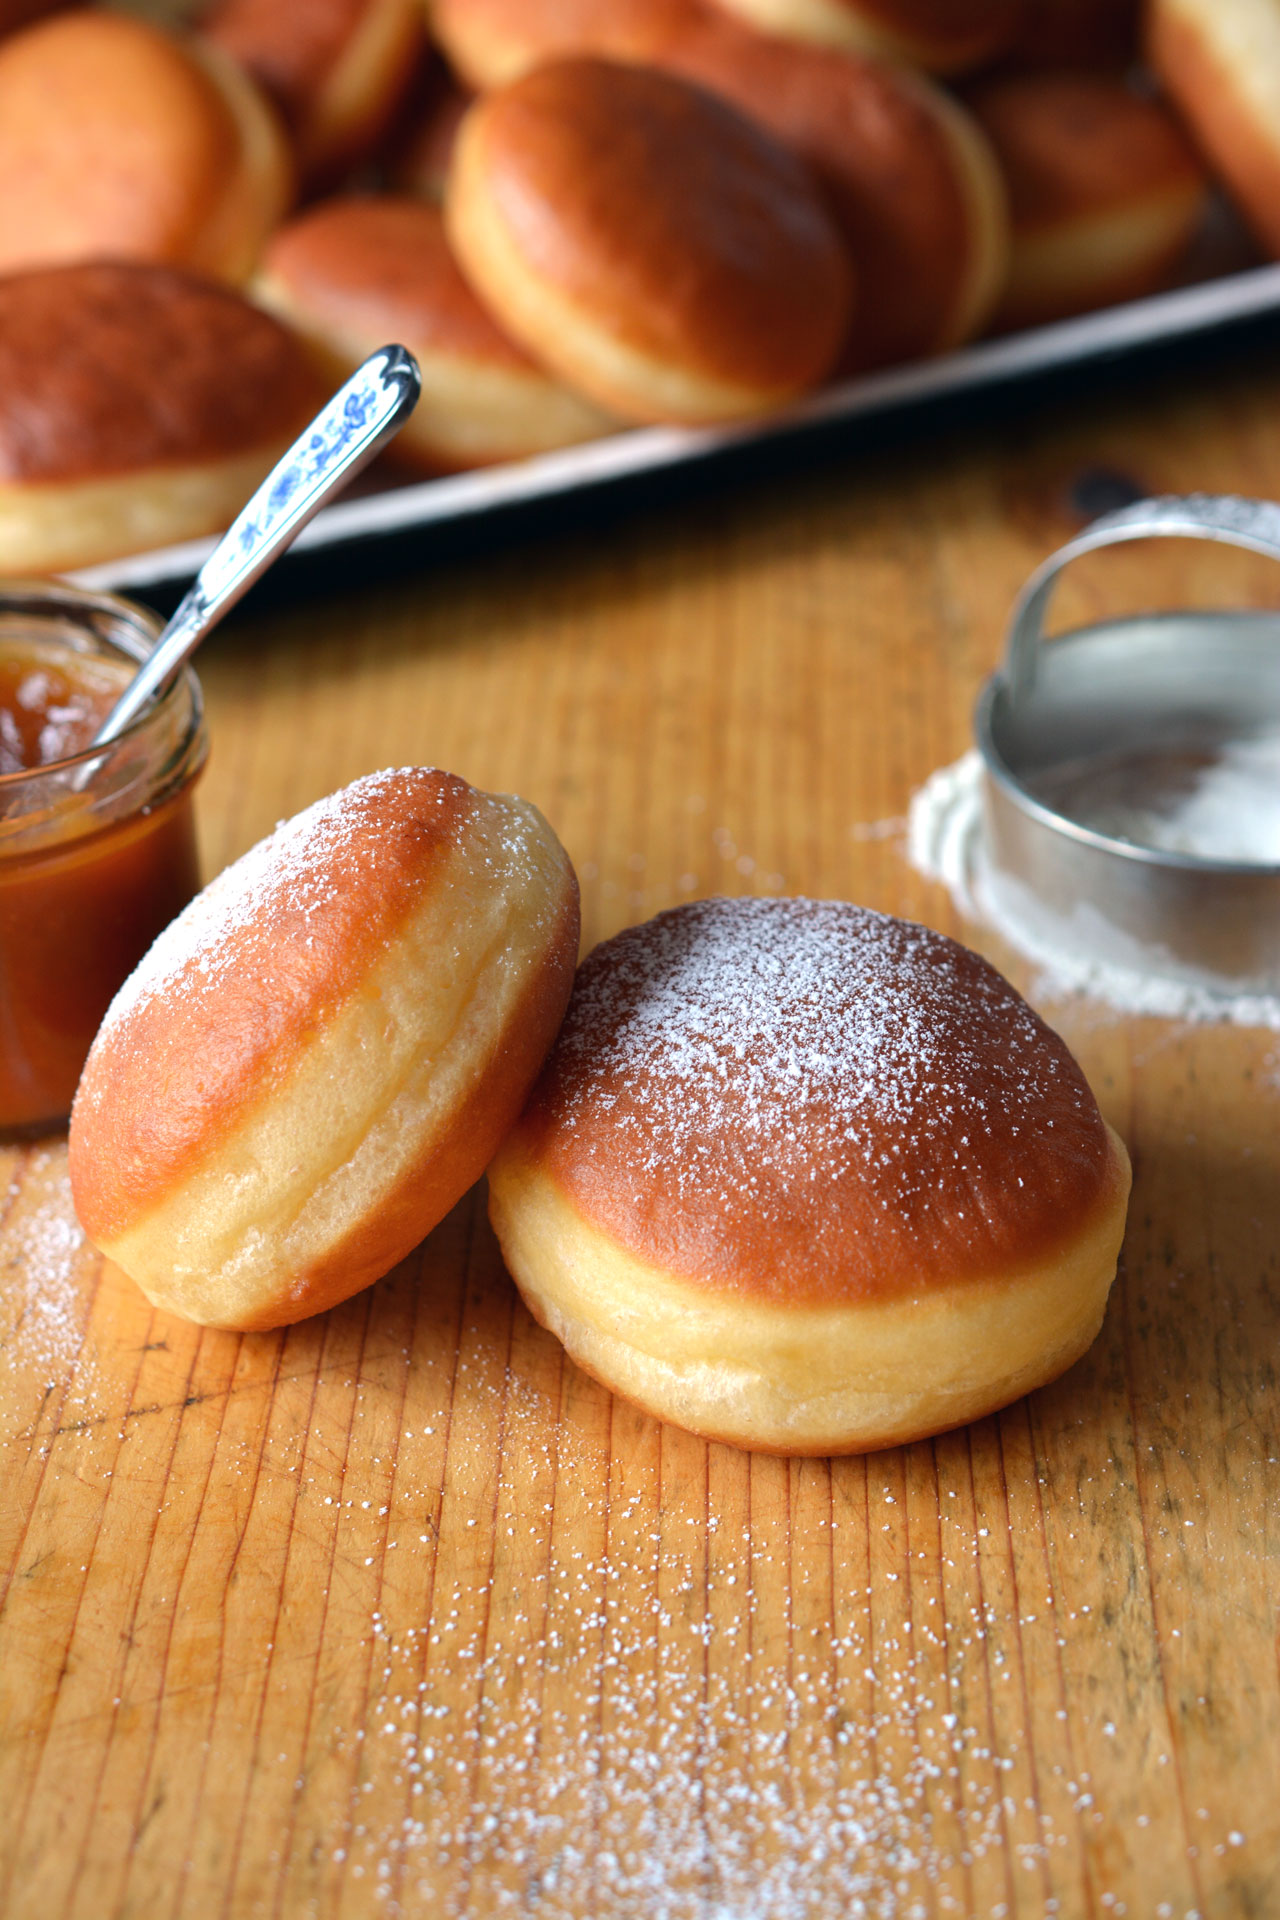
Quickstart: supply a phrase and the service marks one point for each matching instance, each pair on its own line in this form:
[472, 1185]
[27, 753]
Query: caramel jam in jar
[97, 848]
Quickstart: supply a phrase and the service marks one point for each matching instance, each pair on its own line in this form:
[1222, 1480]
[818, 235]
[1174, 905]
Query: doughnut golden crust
[1105, 191]
[809, 1179]
[118, 140]
[490, 42]
[907, 174]
[318, 1057]
[1220, 61]
[138, 406]
[337, 69]
[943, 36]
[352, 273]
[653, 248]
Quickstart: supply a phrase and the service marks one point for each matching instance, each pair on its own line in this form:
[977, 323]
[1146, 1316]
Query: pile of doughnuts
[789, 1173]
[579, 214]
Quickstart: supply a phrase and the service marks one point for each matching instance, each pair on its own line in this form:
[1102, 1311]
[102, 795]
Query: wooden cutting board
[397, 1613]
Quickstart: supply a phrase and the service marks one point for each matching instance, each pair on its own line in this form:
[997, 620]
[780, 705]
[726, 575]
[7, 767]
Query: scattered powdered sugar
[747, 1048]
[1223, 805]
[536, 1655]
[1083, 953]
[652, 1696]
[42, 1301]
[692, 1807]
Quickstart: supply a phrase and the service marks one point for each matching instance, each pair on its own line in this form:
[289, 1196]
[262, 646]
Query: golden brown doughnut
[1220, 61]
[906, 172]
[942, 36]
[1105, 191]
[353, 273]
[119, 140]
[138, 406]
[490, 42]
[337, 69]
[809, 1179]
[317, 1058]
[653, 248]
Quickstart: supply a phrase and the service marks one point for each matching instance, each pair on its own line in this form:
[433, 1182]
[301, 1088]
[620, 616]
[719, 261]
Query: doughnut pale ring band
[941, 38]
[317, 1059]
[809, 1179]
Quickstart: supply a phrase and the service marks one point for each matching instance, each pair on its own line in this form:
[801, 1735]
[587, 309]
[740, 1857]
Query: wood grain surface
[397, 1613]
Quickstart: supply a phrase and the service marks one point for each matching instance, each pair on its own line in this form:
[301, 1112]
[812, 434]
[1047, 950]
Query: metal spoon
[343, 437]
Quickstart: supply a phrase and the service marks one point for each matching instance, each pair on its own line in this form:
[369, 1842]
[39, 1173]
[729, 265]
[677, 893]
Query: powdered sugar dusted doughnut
[318, 1057]
[808, 1178]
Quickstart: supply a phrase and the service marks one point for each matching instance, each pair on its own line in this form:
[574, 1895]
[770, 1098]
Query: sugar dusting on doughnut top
[236, 988]
[297, 875]
[806, 1099]
[298, 869]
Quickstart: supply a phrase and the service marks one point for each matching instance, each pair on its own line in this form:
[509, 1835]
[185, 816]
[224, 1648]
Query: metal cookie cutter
[1092, 743]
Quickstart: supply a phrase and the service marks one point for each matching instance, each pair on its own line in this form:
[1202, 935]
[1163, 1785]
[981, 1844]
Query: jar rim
[122, 620]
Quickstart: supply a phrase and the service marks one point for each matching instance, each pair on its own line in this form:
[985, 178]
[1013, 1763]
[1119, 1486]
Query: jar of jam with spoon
[97, 845]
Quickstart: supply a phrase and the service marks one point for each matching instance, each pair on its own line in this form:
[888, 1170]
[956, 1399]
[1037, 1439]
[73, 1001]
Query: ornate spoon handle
[342, 438]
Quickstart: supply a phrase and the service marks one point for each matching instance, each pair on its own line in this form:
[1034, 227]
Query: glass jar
[97, 848]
